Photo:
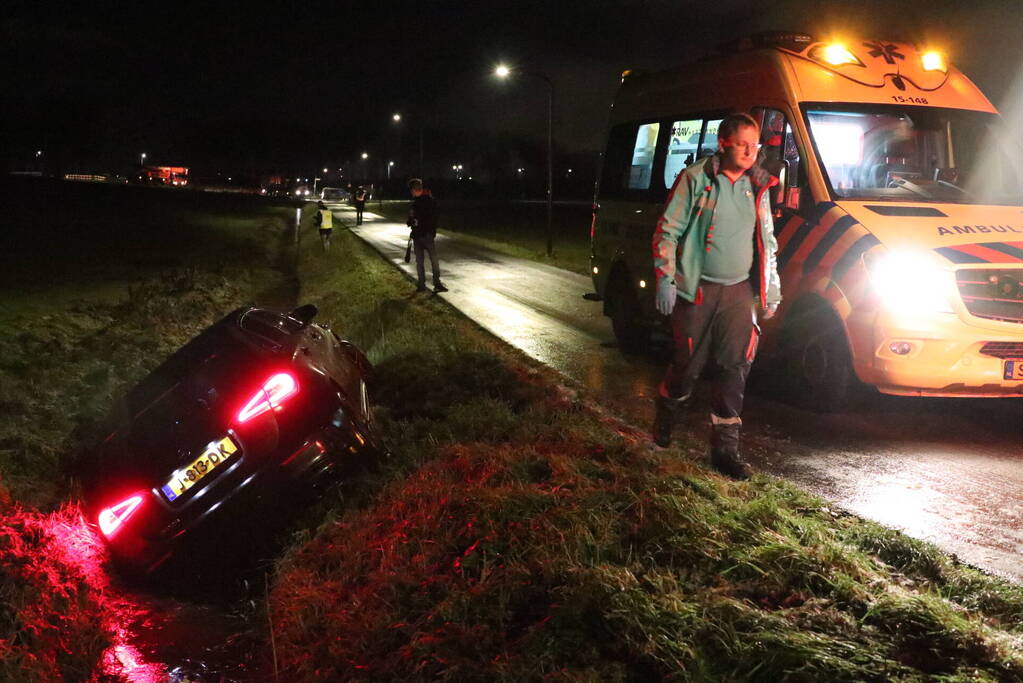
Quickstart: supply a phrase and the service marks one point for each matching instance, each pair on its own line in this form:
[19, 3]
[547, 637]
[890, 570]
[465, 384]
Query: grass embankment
[515, 534]
[99, 285]
[514, 228]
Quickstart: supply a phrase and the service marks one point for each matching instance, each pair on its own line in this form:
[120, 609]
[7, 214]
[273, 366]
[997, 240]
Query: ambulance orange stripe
[987, 254]
[851, 236]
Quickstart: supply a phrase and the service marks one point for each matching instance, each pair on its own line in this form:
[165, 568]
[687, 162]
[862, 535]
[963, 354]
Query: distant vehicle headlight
[911, 282]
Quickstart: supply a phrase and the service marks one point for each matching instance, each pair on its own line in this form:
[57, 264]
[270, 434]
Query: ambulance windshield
[892, 152]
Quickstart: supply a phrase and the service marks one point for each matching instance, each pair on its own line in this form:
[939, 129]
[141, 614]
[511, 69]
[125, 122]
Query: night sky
[299, 85]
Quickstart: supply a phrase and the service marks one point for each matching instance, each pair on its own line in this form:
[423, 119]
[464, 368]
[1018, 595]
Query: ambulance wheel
[820, 364]
[626, 321]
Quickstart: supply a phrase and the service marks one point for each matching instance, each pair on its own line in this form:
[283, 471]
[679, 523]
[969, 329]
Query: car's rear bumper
[240, 494]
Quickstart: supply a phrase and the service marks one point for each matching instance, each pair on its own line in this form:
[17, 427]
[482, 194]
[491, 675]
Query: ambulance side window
[683, 143]
[642, 165]
[631, 161]
[688, 139]
[616, 159]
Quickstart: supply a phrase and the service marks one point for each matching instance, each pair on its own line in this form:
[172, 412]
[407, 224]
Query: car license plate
[1013, 370]
[215, 455]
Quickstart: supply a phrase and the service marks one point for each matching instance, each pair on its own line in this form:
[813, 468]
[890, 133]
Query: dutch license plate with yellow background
[215, 455]
[1013, 370]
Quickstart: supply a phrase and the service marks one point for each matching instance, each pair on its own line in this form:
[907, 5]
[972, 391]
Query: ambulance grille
[1003, 349]
[992, 293]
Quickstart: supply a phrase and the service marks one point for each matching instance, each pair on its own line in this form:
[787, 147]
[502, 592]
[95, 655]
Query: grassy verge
[516, 534]
[513, 228]
[81, 319]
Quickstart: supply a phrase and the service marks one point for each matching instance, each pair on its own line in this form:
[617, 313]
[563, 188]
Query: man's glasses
[750, 147]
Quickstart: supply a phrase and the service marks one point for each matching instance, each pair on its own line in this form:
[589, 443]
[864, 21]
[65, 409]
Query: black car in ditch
[259, 405]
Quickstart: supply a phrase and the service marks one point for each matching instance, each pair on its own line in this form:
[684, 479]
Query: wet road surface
[948, 471]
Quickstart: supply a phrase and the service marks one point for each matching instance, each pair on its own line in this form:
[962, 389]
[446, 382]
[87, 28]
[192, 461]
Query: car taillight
[111, 519]
[275, 391]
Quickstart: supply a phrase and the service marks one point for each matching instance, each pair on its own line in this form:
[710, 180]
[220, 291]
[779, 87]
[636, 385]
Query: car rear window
[270, 326]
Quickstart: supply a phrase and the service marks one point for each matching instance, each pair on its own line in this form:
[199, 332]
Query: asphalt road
[949, 471]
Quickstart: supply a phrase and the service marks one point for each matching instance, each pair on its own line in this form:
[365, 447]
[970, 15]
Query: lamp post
[143, 159]
[397, 118]
[502, 71]
[390, 164]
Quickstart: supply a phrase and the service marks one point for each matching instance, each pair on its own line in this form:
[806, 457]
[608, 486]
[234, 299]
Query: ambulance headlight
[911, 282]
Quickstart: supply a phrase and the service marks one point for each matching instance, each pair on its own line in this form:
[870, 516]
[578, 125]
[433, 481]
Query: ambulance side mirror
[778, 192]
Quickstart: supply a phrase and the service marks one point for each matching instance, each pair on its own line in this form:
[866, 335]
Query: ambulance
[898, 216]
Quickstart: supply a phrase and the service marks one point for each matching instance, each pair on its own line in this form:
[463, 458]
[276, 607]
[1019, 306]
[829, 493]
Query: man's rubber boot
[666, 411]
[724, 451]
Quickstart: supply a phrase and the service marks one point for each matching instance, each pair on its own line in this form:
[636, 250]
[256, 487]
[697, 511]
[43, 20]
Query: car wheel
[626, 322]
[820, 365]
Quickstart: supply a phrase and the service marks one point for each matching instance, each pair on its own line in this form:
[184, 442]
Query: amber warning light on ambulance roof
[933, 61]
[835, 54]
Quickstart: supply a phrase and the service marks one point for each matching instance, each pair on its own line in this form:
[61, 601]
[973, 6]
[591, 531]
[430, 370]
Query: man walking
[423, 220]
[715, 236]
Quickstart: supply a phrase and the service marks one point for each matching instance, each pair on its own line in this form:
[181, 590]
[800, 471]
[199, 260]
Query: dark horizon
[301, 86]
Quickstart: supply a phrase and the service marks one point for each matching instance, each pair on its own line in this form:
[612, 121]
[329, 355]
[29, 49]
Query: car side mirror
[305, 313]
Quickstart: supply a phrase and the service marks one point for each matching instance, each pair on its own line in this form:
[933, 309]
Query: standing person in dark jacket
[360, 204]
[422, 219]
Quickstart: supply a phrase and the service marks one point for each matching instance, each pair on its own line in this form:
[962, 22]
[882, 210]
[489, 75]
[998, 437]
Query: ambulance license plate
[215, 455]
[1013, 370]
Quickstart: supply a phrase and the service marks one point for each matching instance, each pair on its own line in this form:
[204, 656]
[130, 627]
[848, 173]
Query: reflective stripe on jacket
[679, 242]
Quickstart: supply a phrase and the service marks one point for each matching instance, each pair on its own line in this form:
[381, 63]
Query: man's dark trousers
[719, 327]
[426, 244]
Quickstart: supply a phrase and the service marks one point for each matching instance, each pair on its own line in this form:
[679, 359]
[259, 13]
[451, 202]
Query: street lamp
[503, 71]
[397, 119]
[143, 159]
[389, 165]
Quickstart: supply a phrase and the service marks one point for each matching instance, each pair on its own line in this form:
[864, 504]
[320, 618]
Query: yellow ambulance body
[899, 218]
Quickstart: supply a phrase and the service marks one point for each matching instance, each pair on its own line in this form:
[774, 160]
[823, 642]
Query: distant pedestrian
[324, 220]
[422, 219]
[360, 204]
[716, 236]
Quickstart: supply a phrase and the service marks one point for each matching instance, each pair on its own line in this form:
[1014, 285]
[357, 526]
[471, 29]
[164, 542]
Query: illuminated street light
[390, 164]
[143, 159]
[365, 155]
[503, 71]
[397, 119]
[39, 153]
[324, 170]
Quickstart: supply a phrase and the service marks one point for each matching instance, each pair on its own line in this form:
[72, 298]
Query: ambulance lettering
[967, 229]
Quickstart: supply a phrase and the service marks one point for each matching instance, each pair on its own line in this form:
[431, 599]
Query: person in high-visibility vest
[360, 204]
[325, 222]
